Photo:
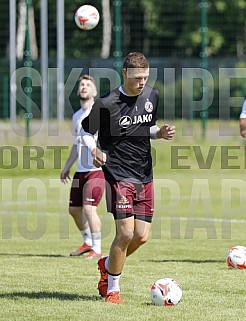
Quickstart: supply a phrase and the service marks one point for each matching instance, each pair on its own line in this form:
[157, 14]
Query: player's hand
[64, 177]
[99, 157]
[166, 132]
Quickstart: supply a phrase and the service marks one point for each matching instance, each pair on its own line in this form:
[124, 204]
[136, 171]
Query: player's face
[86, 90]
[135, 79]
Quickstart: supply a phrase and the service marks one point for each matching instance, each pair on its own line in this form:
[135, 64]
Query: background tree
[107, 29]
[21, 31]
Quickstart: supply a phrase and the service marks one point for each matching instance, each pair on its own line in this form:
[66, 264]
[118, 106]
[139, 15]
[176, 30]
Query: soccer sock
[96, 242]
[86, 234]
[106, 263]
[113, 283]
[113, 280]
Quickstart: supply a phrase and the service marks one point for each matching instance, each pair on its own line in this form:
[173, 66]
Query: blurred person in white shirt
[88, 181]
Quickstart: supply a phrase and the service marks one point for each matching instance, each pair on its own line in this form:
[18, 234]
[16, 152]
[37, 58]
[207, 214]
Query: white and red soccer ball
[86, 17]
[236, 257]
[166, 292]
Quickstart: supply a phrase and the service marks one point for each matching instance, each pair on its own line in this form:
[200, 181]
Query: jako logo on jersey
[125, 121]
[142, 119]
[148, 106]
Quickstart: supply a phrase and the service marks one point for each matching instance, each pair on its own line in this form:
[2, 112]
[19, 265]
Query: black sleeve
[91, 123]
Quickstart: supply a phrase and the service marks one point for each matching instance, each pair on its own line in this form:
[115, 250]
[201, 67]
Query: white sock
[86, 234]
[96, 242]
[106, 263]
[113, 283]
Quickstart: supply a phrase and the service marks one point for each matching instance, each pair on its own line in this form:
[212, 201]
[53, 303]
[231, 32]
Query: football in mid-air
[236, 257]
[166, 292]
[86, 17]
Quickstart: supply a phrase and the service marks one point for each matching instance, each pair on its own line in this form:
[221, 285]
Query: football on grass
[236, 257]
[86, 17]
[166, 292]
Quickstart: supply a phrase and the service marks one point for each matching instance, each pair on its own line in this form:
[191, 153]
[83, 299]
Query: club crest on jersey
[125, 121]
[148, 106]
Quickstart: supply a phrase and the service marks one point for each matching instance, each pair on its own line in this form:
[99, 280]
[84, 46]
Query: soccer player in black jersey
[126, 120]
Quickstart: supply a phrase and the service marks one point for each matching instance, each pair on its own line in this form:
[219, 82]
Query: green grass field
[199, 213]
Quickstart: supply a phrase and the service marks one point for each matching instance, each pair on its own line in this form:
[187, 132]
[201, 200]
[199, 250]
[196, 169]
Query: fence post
[5, 97]
[204, 64]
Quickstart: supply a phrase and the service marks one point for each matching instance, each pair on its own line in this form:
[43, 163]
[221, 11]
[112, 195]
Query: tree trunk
[21, 32]
[105, 51]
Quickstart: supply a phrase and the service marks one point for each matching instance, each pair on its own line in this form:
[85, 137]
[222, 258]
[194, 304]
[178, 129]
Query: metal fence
[180, 38]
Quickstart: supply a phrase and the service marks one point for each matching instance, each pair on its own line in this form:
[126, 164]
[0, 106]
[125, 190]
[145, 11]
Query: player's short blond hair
[87, 77]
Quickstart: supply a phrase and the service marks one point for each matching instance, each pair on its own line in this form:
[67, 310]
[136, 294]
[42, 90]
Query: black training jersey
[123, 124]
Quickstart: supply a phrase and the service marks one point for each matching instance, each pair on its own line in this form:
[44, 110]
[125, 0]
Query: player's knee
[72, 210]
[90, 211]
[142, 239]
[141, 236]
[126, 237]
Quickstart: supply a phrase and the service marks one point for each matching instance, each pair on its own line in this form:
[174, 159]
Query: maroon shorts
[126, 199]
[87, 188]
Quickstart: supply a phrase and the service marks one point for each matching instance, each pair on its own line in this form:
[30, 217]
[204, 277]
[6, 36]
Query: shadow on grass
[186, 261]
[49, 295]
[32, 255]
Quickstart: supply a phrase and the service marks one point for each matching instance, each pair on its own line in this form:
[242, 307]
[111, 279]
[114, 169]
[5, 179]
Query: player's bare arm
[166, 132]
[243, 127]
[99, 157]
[64, 176]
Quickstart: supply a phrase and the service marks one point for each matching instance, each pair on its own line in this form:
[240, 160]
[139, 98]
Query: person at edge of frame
[242, 120]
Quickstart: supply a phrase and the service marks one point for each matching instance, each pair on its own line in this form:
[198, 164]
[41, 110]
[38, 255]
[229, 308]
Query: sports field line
[171, 218]
[207, 219]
